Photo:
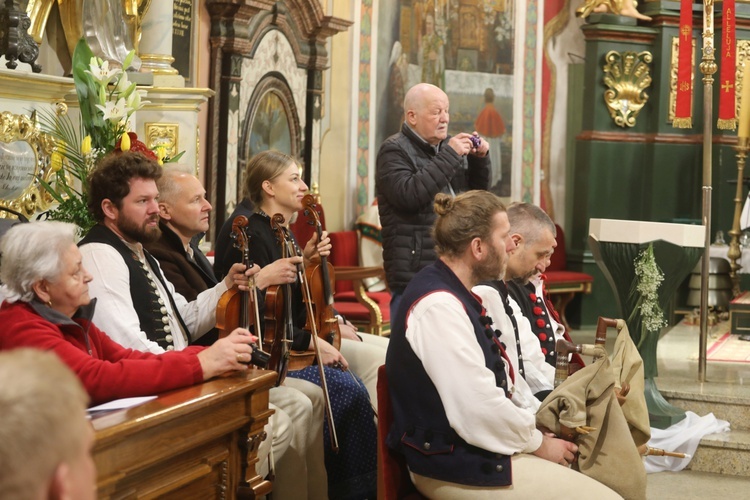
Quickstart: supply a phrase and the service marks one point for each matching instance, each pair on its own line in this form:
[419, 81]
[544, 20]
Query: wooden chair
[368, 311]
[561, 283]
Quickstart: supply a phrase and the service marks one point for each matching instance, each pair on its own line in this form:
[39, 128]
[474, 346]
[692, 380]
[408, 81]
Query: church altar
[615, 245]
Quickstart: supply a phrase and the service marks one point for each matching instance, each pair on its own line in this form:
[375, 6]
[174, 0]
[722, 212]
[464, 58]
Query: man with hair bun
[455, 418]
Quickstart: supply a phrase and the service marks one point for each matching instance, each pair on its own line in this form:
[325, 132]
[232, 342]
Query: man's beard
[526, 278]
[491, 268]
[142, 234]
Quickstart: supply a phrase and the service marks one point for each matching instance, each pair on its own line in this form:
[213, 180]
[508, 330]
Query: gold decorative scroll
[25, 153]
[163, 134]
[627, 76]
[673, 77]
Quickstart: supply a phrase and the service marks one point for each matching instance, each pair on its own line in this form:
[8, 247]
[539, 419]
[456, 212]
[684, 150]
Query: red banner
[683, 114]
[727, 114]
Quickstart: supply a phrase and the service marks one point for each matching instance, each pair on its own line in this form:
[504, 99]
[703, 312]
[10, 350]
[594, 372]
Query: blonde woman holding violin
[274, 186]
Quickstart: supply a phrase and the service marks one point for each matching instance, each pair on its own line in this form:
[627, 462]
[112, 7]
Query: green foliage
[82, 55]
[645, 291]
[69, 187]
[106, 99]
[74, 209]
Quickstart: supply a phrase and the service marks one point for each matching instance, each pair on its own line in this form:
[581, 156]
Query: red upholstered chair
[368, 311]
[393, 476]
[561, 283]
[351, 295]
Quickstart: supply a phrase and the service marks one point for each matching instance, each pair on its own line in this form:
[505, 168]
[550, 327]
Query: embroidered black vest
[152, 313]
[535, 311]
[502, 289]
[421, 431]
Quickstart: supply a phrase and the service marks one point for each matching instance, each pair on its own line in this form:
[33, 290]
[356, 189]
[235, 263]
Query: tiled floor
[677, 355]
[686, 484]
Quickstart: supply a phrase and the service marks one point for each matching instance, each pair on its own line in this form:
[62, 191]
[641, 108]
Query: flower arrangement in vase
[107, 100]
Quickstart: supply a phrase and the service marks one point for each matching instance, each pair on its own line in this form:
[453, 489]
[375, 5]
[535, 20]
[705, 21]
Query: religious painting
[270, 127]
[465, 47]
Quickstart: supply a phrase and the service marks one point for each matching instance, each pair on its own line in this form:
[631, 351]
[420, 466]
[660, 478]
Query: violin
[278, 314]
[321, 278]
[290, 248]
[235, 306]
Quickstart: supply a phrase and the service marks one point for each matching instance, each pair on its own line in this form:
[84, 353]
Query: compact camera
[476, 141]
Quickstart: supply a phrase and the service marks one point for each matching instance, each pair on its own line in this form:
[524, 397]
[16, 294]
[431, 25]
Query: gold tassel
[724, 124]
[682, 123]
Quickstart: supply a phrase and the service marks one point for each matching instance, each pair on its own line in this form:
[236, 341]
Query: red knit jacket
[107, 370]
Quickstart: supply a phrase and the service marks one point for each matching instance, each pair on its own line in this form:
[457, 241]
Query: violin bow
[314, 219]
[293, 249]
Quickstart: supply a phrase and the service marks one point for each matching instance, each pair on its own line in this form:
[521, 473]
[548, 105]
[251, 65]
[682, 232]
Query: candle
[744, 130]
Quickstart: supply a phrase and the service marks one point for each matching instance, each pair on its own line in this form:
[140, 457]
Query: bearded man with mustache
[137, 306]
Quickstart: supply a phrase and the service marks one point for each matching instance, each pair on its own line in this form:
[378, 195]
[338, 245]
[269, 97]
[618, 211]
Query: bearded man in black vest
[137, 306]
[451, 384]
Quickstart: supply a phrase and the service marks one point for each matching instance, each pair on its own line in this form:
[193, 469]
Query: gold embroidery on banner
[673, 78]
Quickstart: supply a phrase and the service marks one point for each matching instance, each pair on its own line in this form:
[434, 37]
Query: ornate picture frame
[25, 153]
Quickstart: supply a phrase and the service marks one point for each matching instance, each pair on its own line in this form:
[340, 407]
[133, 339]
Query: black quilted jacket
[409, 174]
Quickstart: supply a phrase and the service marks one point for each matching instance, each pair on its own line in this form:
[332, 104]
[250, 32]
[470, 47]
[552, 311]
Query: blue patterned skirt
[352, 472]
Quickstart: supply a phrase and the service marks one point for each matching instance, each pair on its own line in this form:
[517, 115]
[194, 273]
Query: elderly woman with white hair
[47, 306]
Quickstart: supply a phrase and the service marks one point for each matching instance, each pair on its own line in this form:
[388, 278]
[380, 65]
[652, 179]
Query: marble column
[155, 48]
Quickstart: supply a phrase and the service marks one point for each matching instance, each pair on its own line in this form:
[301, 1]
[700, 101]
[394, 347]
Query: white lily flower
[134, 101]
[115, 111]
[100, 71]
[122, 84]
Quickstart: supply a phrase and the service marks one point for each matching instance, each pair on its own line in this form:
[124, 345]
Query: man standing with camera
[412, 167]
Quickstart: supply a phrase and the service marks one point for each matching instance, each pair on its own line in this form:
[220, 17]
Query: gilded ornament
[112, 28]
[163, 135]
[25, 158]
[627, 76]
